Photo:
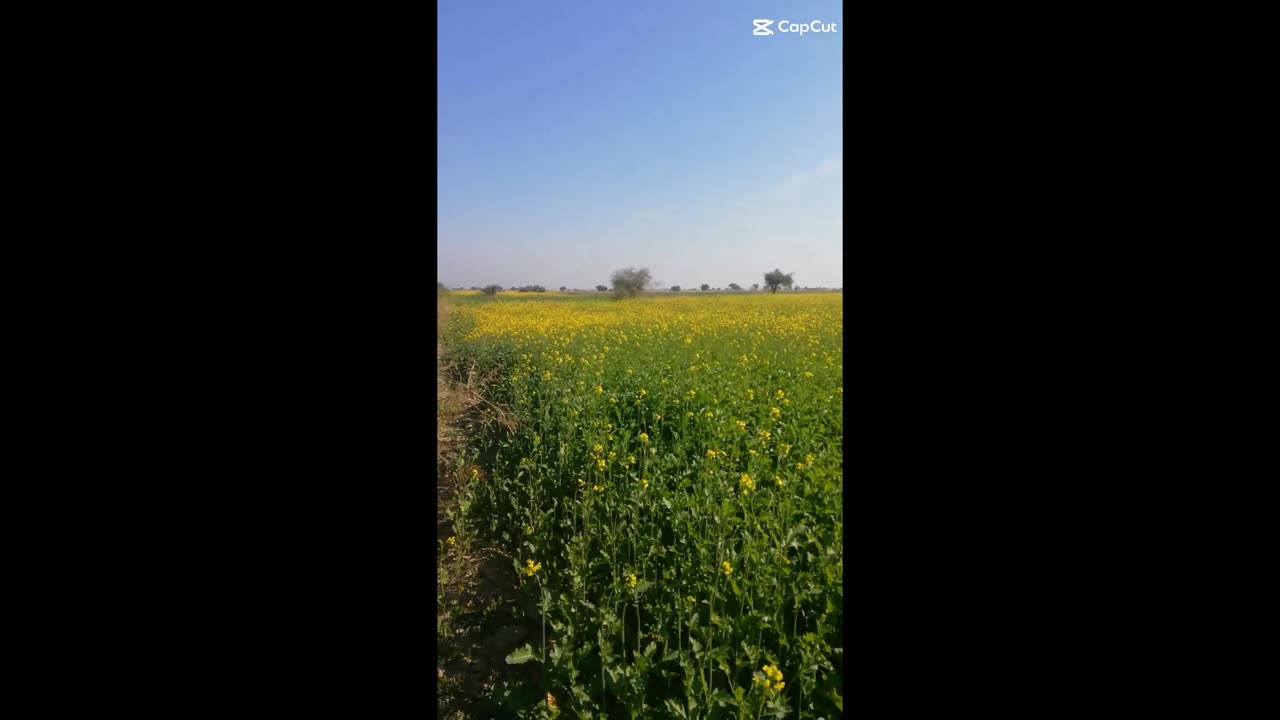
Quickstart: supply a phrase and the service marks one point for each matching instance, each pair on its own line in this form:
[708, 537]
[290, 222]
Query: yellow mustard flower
[728, 569]
[772, 675]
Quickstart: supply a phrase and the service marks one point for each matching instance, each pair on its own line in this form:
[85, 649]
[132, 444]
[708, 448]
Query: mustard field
[670, 498]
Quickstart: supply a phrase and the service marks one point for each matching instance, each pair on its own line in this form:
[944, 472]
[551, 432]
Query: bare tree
[628, 282]
[776, 279]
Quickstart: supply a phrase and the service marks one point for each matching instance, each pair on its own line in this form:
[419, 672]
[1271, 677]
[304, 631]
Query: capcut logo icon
[792, 28]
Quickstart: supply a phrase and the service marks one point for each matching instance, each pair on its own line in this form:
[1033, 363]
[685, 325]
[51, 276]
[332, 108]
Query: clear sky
[576, 138]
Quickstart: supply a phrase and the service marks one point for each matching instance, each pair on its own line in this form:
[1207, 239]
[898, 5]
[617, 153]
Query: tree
[705, 287]
[440, 286]
[563, 288]
[777, 278]
[628, 282]
[492, 289]
[675, 288]
[755, 286]
[734, 286]
[601, 288]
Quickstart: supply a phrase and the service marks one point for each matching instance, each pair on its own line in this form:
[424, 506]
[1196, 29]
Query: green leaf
[837, 699]
[559, 652]
[521, 656]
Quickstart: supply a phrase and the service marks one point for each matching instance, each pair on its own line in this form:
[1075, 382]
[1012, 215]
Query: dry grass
[461, 407]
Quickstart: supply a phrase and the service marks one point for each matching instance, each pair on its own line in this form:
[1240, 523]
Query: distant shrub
[675, 288]
[705, 287]
[777, 279]
[734, 286]
[492, 290]
[628, 282]
[601, 288]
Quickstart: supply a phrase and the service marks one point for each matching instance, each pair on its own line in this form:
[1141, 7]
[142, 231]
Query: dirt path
[479, 620]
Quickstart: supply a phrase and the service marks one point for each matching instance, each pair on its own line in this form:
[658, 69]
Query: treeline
[629, 282]
[495, 289]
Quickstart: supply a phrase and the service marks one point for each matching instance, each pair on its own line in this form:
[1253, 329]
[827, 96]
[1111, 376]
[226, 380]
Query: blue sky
[576, 138]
